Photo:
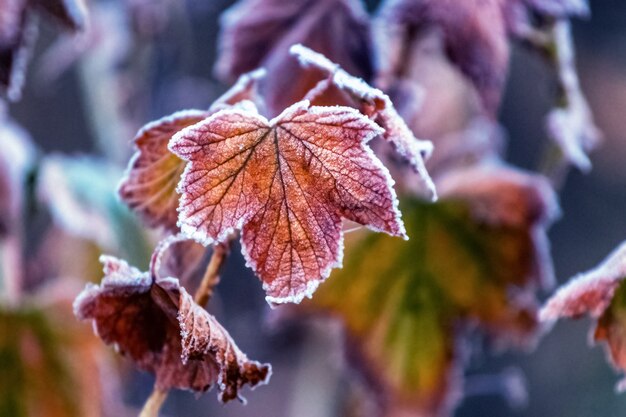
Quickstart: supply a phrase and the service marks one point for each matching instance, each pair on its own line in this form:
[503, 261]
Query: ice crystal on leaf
[286, 183]
[156, 323]
[149, 186]
[601, 294]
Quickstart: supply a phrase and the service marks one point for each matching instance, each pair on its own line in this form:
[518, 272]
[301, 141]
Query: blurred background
[176, 52]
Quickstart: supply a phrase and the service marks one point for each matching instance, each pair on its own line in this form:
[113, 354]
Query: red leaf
[341, 88]
[286, 183]
[149, 185]
[151, 320]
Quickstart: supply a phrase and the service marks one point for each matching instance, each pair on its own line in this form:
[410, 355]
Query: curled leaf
[601, 294]
[370, 101]
[155, 322]
[149, 185]
[286, 183]
[407, 306]
[570, 124]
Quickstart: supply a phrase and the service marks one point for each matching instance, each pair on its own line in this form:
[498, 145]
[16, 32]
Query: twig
[154, 403]
[211, 276]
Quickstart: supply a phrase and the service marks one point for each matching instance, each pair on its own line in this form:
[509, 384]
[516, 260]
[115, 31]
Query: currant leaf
[286, 183]
[340, 88]
[408, 306]
[155, 322]
[149, 185]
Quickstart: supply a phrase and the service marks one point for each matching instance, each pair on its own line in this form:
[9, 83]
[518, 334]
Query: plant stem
[211, 276]
[154, 403]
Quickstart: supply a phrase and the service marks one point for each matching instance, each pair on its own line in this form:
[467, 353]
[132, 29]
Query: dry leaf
[286, 183]
[601, 293]
[407, 306]
[155, 322]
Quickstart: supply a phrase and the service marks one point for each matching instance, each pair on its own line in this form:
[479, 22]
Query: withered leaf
[601, 294]
[155, 322]
[407, 306]
[286, 183]
[149, 185]
[258, 33]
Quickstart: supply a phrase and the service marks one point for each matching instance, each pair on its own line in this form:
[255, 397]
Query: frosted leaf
[150, 319]
[149, 184]
[601, 293]
[408, 307]
[286, 183]
[373, 103]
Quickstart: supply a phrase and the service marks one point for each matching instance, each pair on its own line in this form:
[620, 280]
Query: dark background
[564, 376]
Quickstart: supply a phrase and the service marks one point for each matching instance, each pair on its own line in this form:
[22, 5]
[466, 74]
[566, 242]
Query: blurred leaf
[70, 13]
[156, 323]
[601, 293]
[473, 35]
[258, 33]
[470, 262]
[49, 365]
[18, 33]
[81, 196]
[286, 183]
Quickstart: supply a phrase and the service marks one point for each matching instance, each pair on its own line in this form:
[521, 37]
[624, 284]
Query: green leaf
[471, 262]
